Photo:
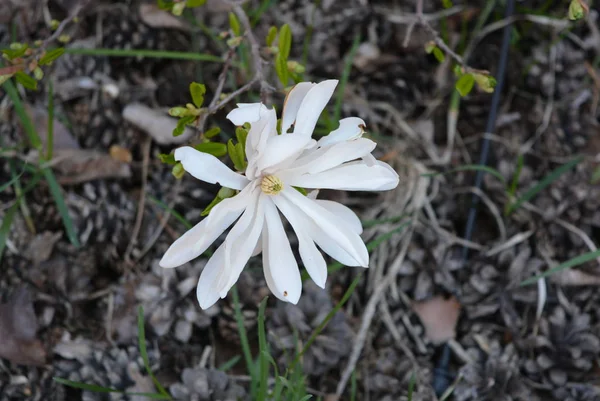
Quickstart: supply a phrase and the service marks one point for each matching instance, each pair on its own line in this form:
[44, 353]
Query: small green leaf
[301, 190]
[576, 10]
[281, 69]
[486, 83]
[16, 50]
[210, 206]
[285, 41]
[464, 85]
[234, 24]
[178, 171]
[52, 55]
[165, 5]
[242, 156]
[241, 134]
[271, 36]
[180, 128]
[197, 91]
[446, 3]
[237, 155]
[216, 149]
[167, 158]
[25, 80]
[438, 54]
[211, 133]
[179, 111]
[195, 3]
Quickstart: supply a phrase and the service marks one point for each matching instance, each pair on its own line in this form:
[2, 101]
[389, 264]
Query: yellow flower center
[271, 185]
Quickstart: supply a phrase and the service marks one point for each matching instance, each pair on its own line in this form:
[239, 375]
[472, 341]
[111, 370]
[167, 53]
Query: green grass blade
[339, 99]
[174, 213]
[353, 386]
[470, 167]
[376, 222]
[326, 320]
[576, 261]
[264, 349]
[99, 389]
[546, 181]
[411, 385]
[144, 352]
[5, 226]
[12, 181]
[229, 364]
[30, 130]
[162, 54]
[56, 192]
[243, 336]
[50, 138]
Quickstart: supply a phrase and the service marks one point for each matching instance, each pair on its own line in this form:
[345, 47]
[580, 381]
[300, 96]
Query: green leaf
[63, 210]
[576, 10]
[179, 111]
[165, 5]
[52, 55]
[241, 134]
[237, 155]
[446, 3]
[285, 41]
[183, 121]
[178, 171]
[546, 181]
[223, 193]
[19, 51]
[195, 3]
[438, 54]
[211, 133]
[25, 80]
[465, 83]
[216, 149]
[281, 69]
[576, 261]
[271, 36]
[167, 158]
[234, 24]
[301, 190]
[197, 91]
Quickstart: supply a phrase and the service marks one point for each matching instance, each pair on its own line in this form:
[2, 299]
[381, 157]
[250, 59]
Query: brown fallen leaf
[74, 166]
[120, 154]
[40, 248]
[18, 328]
[156, 18]
[155, 123]
[439, 317]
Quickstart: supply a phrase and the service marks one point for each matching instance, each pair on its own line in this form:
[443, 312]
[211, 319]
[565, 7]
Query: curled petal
[292, 103]
[281, 268]
[350, 128]
[312, 105]
[354, 176]
[196, 240]
[335, 228]
[208, 168]
[344, 213]
[313, 260]
[246, 113]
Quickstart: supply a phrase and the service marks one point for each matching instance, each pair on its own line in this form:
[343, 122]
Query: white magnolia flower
[277, 164]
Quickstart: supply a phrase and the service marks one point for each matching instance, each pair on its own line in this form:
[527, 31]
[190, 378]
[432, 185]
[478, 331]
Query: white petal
[313, 260]
[332, 225]
[344, 213]
[370, 160]
[241, 242]
[282, 148]
[196, 240]
[245, 113]
[208, 168]
[350, 128]
[292, 103]
[354, 176]
[206, 291]
[278, 258]
[312, 105]
[329, 157]
[260, 131]
[266, 267]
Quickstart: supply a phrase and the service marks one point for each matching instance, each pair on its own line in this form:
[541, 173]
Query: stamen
[271, 185]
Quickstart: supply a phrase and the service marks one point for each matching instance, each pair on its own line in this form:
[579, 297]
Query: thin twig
[142, 202]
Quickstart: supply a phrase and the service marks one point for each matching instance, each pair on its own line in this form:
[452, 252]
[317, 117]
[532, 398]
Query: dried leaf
[157, 124]
[120, 154]
[439, 316]
[40, 249]
[18, 328]
[74, 166]
[153, 16]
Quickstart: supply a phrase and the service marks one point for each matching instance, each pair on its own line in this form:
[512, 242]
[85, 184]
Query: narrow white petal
[350, 128]
[241, 242]
[245, 113]
[344, 213]
[329, 157]
[312, 105]
[206, 291]
[332, 225]
[208, 168]
[281, 148]
[260, 132]
[313, 260]
[370, 160]
[292, 103]
[354, 176]
[196, 240]
[279, 259]
[266, 266]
